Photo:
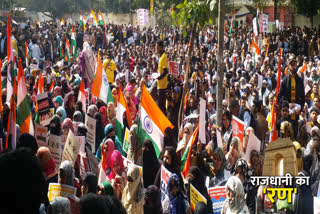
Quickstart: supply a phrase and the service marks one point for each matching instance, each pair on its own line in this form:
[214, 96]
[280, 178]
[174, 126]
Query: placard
[253, 144]
[91, 132]
[93, 162]
[71, 149]
[165, 175]
[44, 112]
[202, 122]
[174, 68]
[237, 128]
[126, 141]
[47, 64]
[41, 133]
[54, 144]
[218, 196]
[127, 163]
[56, 190]
[195, 197]
[82, 141]
[130, 40]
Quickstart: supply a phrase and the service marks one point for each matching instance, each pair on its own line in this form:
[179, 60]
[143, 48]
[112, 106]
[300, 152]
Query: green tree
[309, 8]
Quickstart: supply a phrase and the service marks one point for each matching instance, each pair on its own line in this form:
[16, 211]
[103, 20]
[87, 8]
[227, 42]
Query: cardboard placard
[202, 122]
[253, 144]
[54, 144]
[237, 128]
[174, 68]
[195, 197]
[41, 133]
[47, 64]
[91, 134]
[82, 142]
[126, 141]
[165, 175]
[45, 114]
[56, 190]
[127, 163]
[71, 149]
[218, 196]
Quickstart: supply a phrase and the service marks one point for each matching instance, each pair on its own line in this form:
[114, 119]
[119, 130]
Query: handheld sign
[218, 196]
[71, 149]
[195, 197]
[56, 190]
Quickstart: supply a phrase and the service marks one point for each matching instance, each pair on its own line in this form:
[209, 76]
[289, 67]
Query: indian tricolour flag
[81, 19]
[68, 50]
[40, 84]
[10, 61]
[121, 108]
[61, 48]
[24, 119]
[11, 135]
[100, 86]
[185, 160]
[100, 19]
[256, 51]
[152, 122]
[94, 17]
[62, 22]
[28, 54]
[232, 21]
[73, 43]
[82, 96]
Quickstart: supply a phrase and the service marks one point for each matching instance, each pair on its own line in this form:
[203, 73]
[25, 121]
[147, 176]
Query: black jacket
[285, 90]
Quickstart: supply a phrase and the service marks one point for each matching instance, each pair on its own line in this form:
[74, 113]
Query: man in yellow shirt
[163, 78]
[110, 67]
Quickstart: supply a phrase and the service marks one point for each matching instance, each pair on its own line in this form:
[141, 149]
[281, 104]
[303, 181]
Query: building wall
[285, 13]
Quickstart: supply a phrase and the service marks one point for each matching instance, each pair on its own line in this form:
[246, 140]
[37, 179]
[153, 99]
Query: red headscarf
[116, 157]
[106, 156]
[47, 163]
[68, 124]
[104, 116]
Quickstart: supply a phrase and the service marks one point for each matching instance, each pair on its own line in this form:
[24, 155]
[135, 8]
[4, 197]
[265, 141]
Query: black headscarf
[198, 182]
[150, 163]
[55, 126]
[28, 141]
[201, 208]
[99, 129]
[92, 181]
[152, 199]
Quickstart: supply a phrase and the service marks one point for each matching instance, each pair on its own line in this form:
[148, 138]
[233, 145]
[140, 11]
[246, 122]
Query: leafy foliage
[308, 8]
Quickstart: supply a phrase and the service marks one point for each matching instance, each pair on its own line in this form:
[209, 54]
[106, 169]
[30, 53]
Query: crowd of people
[132, 57]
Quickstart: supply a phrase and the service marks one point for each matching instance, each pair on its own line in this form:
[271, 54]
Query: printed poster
[174, 68]
[91, 134]
[54, 144]
[218, 196]
[202, 122]
[237, 128]
[126, 141]
[56, 190]
[45, 114]
[41, 135]
[253, 144]
[165, 175]
[195, 197]
[71, 149]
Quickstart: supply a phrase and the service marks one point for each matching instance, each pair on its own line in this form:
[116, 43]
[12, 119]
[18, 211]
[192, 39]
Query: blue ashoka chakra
[148, 125]
[105, 80]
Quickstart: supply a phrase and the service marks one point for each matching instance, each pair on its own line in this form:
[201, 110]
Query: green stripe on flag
[23, 111]
[184, 157]
[110, 97]
[119, 131]
[143, 135]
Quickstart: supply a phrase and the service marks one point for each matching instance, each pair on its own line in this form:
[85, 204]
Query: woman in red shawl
[67, 125]
[104, 116]
[118, 175]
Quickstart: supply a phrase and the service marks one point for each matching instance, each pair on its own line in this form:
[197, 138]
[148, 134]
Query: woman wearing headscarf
[171, 162]
[60, 205]
[197, 180]
[55, 126]
[187, 133]
[234, 153]
[66, 126]
[152, 200]
[132, 196]
[104, 155]
[176, 203]
[25, 140]
[66, 176]
[221, 174]
[61, 113]
[89, 183]
[134, 150]
[235, 202]
[92, 109]
[242, 171]
[150, 163]
[69, 104]
[131, 106]
[105, 189]
[226, 128]
[99, 130]
[104, 116]
[118, 174]
[77, 117]
[111, 113]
